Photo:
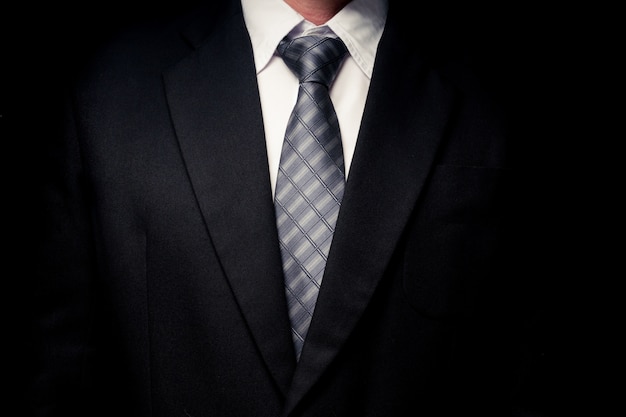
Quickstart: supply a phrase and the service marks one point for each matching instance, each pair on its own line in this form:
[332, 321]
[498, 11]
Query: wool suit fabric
[162, 289]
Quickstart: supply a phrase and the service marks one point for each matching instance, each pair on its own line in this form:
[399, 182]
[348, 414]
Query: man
[166, 279]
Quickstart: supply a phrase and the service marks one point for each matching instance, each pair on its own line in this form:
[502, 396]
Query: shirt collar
[359, 25]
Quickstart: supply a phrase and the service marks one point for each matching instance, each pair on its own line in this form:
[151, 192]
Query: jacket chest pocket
[454, 239]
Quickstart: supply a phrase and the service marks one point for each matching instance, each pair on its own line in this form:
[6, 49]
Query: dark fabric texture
[159, 287]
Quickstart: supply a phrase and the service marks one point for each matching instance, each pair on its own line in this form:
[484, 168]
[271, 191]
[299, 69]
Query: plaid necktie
[311, 179]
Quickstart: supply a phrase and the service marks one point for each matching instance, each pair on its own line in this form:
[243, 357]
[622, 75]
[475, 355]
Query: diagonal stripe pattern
[311, 179]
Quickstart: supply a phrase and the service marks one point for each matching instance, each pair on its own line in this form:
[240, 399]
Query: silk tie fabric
[311, 179]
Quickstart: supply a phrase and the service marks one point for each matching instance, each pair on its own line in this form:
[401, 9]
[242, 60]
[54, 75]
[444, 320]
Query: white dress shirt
[359, 25]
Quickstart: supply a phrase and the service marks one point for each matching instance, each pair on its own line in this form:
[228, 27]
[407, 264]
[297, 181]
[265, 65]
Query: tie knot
[313, 58]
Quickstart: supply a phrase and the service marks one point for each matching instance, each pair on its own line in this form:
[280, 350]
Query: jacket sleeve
[62, 325]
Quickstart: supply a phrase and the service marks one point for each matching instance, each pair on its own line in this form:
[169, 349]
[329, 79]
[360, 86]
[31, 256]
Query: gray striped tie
[311, 177]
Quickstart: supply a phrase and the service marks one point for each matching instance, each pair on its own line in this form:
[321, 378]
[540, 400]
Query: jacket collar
[216, 112]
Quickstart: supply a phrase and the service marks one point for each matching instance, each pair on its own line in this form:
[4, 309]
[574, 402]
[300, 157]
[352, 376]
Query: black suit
[164, 290]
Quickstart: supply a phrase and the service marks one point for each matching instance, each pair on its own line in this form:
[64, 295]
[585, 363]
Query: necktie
[310, 181]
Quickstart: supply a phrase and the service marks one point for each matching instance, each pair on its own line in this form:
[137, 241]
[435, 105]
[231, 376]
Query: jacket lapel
[406, 114]
[216, 112]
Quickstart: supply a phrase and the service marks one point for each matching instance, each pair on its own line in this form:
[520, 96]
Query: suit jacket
[162, 289]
